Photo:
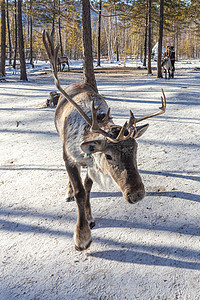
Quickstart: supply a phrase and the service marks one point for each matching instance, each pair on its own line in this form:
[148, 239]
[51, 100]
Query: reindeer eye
[108, 157]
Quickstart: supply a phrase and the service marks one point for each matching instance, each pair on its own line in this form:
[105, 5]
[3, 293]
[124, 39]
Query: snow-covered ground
[146, 251]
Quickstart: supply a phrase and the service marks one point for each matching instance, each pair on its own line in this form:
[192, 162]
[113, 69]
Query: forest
[120, 29]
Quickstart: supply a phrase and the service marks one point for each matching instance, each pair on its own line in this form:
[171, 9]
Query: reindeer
[91, 140]
[62, 60]
[167, 67]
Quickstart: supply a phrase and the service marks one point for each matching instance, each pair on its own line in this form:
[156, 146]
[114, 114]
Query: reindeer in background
[91, 140]
[167, 66]
[61, 61]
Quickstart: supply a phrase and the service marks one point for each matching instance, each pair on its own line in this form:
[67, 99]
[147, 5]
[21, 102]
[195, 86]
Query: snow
[150, 250]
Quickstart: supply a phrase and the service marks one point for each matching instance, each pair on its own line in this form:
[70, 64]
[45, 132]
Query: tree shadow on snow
[176, 194]
[176, 174]
[179, 228]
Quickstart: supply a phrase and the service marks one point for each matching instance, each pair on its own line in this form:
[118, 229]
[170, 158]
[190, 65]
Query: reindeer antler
[130, 126]
[161, 111]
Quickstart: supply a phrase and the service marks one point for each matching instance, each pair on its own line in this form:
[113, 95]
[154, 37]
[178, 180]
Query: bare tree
[31, 36]
[59, 31]
[88, 69]
[9, 34]
[149, 37]
[23, 75]
[99, 35]
[145, 41]
[159, 69]
[116, 36]
[16, 37]
[3, 40]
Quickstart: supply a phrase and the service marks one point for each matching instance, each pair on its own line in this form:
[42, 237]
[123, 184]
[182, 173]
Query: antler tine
[131, 124]
[121, 136]
[95, 125]
[107, 117]
[163, 101]
[51, 51]
[162, 109]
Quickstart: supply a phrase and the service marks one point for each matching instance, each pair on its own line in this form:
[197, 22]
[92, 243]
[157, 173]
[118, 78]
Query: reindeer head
[119, 159]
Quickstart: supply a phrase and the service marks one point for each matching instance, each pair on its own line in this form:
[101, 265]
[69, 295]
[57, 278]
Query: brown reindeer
[90, 139]
[61, 61]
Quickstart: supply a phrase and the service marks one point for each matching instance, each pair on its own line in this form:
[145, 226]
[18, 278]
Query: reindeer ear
[140, 130]
[93, 146]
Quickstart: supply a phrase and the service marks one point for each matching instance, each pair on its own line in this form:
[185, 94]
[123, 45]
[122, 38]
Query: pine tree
[159, 70]
[88, 69]
[23, 75]
[3, 40]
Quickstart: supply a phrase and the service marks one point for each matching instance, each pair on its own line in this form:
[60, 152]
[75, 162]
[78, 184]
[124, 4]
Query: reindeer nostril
[135, 197]
[129, 198]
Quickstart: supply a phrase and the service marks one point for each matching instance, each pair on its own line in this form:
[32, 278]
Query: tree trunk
[53, 20]
[23, 75]
[177, 44]
[60, 35]
[145, 41]
[31, 37]
[149, 37]
[88, 69]
[3, 40]
[99, 35]
[9, 35]
[116, 34]
[125, 41]
[16, 36]
[159, 68]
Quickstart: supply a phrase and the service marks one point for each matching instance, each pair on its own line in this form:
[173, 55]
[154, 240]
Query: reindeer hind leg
[68, 66]
[70, 193]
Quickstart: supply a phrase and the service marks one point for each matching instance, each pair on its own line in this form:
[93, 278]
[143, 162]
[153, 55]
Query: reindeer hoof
[81, 248]
[70, 199]
[82, 237]
[92, 224]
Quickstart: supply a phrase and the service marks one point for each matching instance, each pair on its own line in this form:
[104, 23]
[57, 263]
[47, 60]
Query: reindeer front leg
[88, 186]
[82, 234]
